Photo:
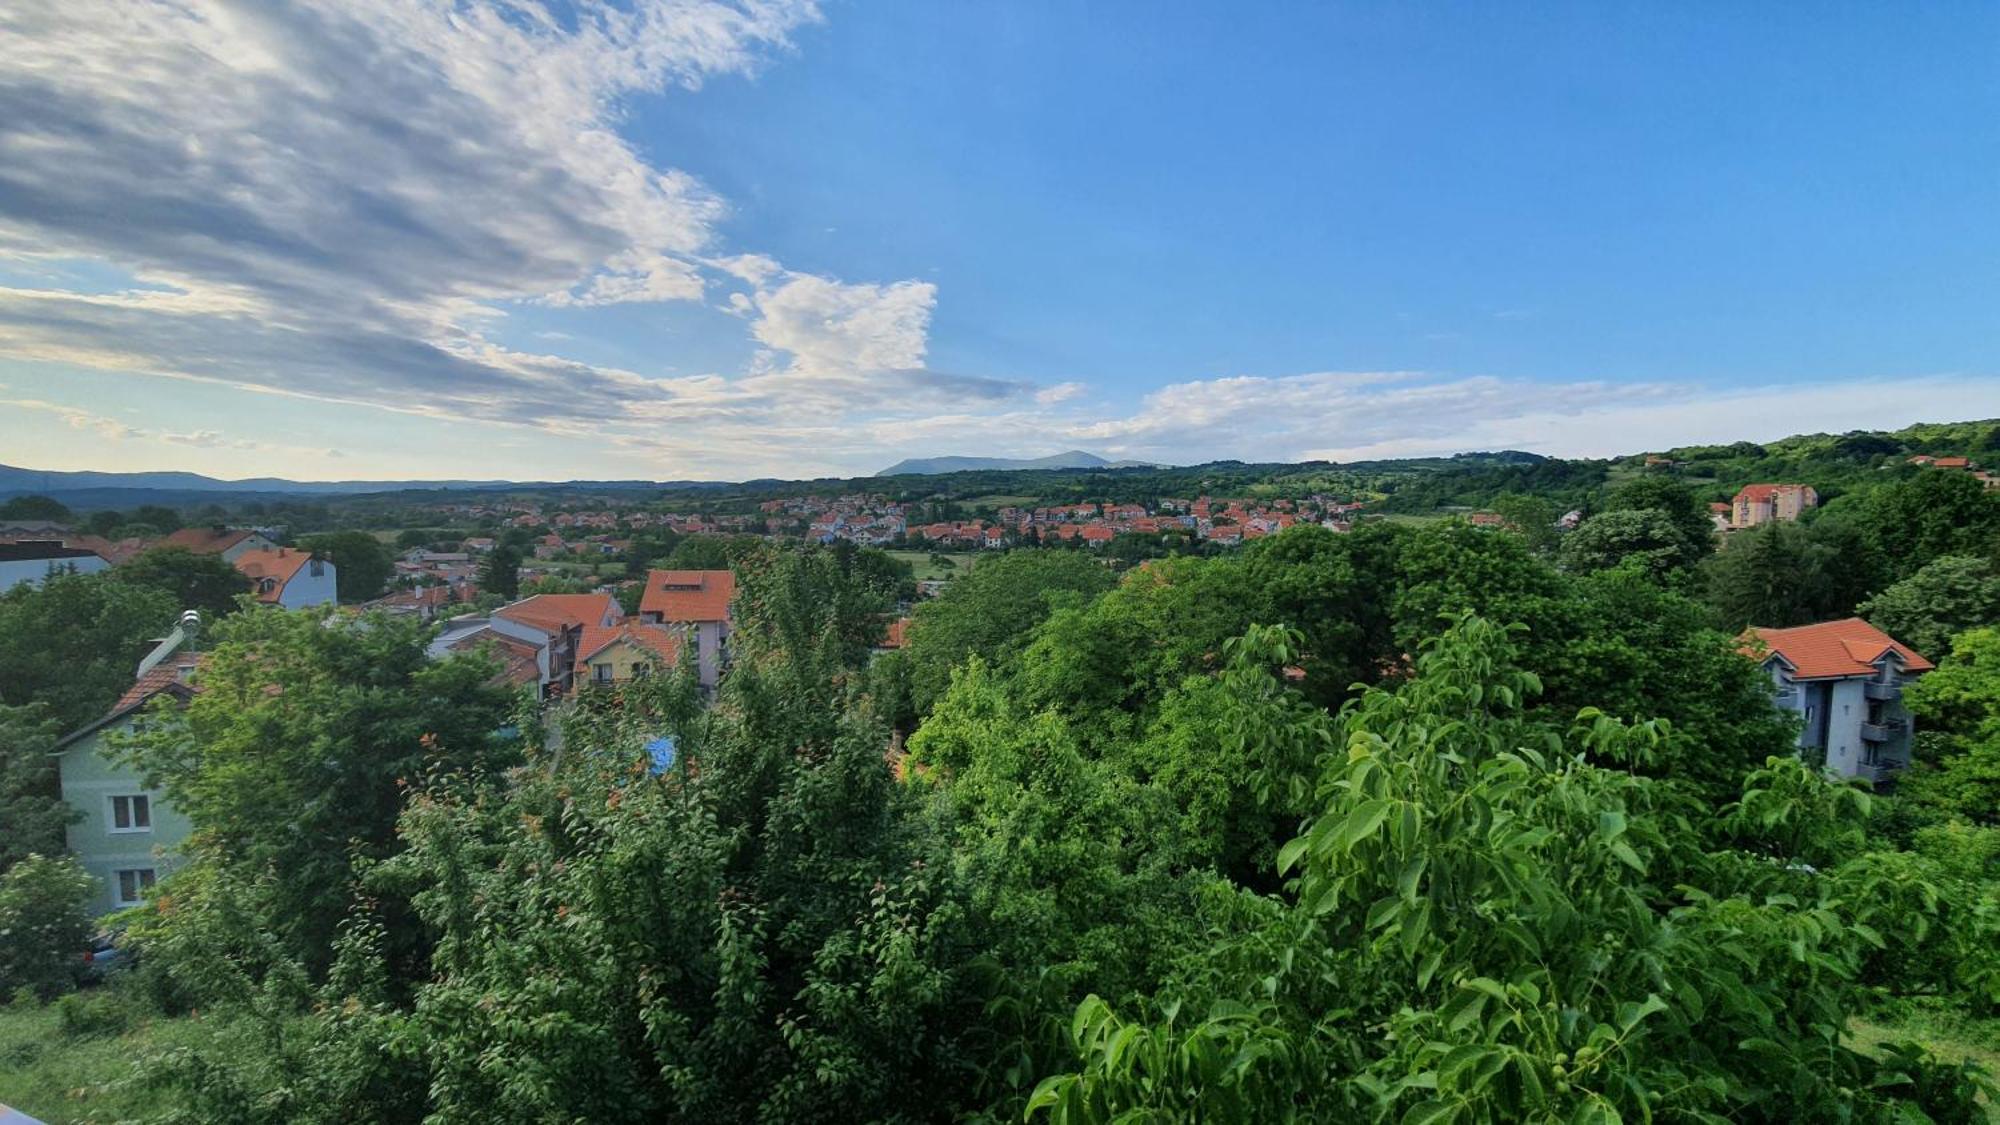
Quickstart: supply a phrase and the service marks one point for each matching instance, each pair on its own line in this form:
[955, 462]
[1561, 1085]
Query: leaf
[1366, 818]
[1611, 824]
[1627, 856]
[1433, 1112]
[1290, 853]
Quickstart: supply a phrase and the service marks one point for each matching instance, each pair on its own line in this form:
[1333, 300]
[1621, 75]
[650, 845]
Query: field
[79, 1070]
[926, 570]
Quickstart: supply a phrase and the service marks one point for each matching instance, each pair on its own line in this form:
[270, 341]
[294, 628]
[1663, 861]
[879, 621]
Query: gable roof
[1757, 493]
[519, 660]
[689, 595]
[279, 565]
[206, 540]
[662, 642]
[169, 677]
[556, 612]
[1835, 649]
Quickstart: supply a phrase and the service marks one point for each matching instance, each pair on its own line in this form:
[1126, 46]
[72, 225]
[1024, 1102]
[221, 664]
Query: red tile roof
[206, 540]
[279, 565]
[898, 633]
[519, 660]
[689, 595]
[664, 643]
[556, 612]
[1833, 649]
[168, 673]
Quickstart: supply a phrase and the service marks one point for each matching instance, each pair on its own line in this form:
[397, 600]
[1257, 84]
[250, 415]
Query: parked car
[102, 957]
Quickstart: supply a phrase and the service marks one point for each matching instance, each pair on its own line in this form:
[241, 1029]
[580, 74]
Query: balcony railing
[1876, 689]
[1887, 731]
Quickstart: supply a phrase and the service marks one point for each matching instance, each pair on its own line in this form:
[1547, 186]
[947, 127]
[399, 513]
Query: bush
[83, 1015]
[43, 925]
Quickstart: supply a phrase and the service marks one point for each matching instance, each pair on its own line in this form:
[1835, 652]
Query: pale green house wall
[89, 780]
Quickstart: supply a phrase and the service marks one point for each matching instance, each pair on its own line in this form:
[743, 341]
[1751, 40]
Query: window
[132, 814]
[641, 669]
[601, 673]
[133, 884]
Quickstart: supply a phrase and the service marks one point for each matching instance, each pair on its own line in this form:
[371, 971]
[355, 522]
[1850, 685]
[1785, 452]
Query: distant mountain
[1074, 459]
[113, 488]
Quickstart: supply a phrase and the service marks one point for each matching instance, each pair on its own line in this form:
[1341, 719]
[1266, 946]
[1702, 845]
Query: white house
[288, 577]
[699, 599]
[34, 560]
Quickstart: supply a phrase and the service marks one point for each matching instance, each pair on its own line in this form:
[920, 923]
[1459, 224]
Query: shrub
[43, 925]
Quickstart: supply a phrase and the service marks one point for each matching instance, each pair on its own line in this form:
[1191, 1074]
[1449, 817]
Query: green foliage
[990, 610]
[193, 580]
[362, 564]
[1487, 927]
[1531, 517]
[292, 758]
[1933, 514]
[72, 643]
[35, 508]
[31, 804]
[1777, 575]
[1948, 596]
[1643, 538]
[43, 924]
[500, 574]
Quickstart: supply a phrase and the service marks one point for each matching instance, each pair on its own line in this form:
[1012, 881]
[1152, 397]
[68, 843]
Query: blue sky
[694, 239]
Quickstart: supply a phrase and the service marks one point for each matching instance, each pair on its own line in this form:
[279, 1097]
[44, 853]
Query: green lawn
[926, 570]
[1948, 1035]
[61, 1076]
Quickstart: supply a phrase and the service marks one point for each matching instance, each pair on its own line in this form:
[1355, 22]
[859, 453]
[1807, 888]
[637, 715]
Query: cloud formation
[334, 200]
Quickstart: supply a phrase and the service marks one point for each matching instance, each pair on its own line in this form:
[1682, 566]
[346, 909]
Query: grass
[60, 1076]
[1951, 1036]
[920, 561]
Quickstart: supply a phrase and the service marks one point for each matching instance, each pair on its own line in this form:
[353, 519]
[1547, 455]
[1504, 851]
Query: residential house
[613, 654]
[231, 543]
[697, 598]
[1762, 503]
[554, 624]
[288, 577]
[34, 560]
[1845, 680]
[127, 836]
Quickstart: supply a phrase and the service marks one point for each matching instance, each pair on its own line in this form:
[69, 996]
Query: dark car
[102, 957]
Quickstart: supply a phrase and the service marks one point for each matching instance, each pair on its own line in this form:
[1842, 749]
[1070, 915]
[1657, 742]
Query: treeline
[1412, 823]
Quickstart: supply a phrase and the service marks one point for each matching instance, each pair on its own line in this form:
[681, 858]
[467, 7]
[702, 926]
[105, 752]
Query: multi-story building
[701, 600]
[1762, 503]
[1845, 680]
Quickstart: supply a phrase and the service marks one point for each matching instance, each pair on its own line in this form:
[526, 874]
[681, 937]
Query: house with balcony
[1845, 680]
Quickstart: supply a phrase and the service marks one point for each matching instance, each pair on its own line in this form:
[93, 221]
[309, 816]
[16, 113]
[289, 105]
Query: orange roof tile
[162, 676]
[664, 643]
[689, 595]
[206, 540]
[279, 566]
[1833, 649]
[555, 612]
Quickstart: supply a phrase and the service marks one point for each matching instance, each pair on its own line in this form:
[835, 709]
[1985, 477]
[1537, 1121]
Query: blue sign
[663, 754]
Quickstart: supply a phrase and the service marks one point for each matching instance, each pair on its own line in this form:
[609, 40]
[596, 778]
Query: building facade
[1844, 679]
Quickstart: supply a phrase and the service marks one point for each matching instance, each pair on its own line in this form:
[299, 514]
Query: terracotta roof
[689, 595]
[169, 673]
[518, 659]
[556, 612]
[206, 540]
[898, 633]
[279, 565]
[1833, 649]
[664, 643]
[1758, 492]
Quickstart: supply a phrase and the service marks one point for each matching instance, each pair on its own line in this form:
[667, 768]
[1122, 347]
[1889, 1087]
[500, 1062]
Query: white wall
[32, 571]
[307, 588]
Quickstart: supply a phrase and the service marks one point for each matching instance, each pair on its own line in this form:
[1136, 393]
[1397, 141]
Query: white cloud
[1061, 392]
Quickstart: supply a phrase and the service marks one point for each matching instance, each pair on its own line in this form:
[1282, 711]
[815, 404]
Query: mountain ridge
[1069, 459]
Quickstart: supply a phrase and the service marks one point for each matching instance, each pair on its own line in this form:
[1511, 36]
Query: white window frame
[111, 814]
[143, 879]
[601, 673]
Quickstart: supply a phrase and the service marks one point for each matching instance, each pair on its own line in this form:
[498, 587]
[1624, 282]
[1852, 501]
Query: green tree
[194, 581]
[1531, 517]
[31, 804]
[1643, 537]
[35, 508]
[362, 564]
[1494, 921]
[43, 924]
[159, 517]
[294, 756]
[1772, 576]
[500, 574]
[74, 642]
[1948, 596]
[1667, 495]
[1930, 515]
[990, 610]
